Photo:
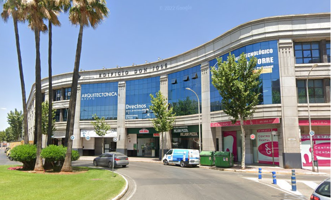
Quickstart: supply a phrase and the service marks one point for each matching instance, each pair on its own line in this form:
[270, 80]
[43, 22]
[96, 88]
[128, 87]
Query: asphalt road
[156, 181]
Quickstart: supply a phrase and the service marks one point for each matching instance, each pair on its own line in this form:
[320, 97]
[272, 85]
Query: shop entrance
[147, 147]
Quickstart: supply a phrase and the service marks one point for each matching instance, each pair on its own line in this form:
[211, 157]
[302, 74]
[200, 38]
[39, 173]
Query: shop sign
[252, 136]
[267, 146]
[188, 134]
[156, 134]
[315, 122]
[322, 150]
[143, 130]
[93, 134]
[247, 122]
[181, 129]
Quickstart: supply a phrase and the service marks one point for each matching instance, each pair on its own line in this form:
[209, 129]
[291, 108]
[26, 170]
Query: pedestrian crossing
[304, 188]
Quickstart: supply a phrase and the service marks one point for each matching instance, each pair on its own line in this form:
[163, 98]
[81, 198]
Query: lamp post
[199, 117]
[310, 131]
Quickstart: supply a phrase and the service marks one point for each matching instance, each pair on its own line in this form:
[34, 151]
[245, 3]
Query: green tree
[15, 121]
[2, 136]
[100, 128]
[9, 135]
[237, 83]
[18, 13]
[164, 117]
[44, 120]
[82, 13]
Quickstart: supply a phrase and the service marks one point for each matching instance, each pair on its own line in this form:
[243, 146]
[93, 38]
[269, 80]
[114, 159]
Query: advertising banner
[321, 150]
[266, 142]
[230, 143]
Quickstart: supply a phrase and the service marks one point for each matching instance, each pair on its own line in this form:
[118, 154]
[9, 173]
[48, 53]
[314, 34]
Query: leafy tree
[100, 128]
[9, 135]
[44, 120]
[164, 117]
[15, 121]
[237, 83]
[18, 13]
[82, 13]
[2, 136]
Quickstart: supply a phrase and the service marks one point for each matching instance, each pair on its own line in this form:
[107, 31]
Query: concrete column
[208, 139]
[218, 134]
[78, 141]
[121, 130]
[290, 125]
[164, 91]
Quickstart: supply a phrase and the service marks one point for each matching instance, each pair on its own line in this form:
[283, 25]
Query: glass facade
[183, 101]
[328, 50]
[57, 95]
[307, 52]
[138, 99]
[99, 99]
[267, 55]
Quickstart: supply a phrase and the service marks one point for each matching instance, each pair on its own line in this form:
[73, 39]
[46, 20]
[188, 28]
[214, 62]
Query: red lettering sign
[247, 122]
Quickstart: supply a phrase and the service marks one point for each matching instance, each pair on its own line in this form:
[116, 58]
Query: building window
[307, 52]
[57, 95]
[315, 89]
[57, 115]
[328, 50]
[65, 114]
[67, 93]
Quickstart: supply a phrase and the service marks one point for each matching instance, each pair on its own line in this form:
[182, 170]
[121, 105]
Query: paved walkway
[266, 169]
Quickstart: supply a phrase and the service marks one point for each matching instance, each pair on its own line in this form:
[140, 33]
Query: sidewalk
[266, 169]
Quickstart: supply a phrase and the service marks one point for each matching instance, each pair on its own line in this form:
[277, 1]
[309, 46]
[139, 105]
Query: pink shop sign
[315, 122]
[247, 122]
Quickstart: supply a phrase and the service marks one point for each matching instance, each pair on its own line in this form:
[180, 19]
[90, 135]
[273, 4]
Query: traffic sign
[252, 136]
[312, 133]
[72, 137]
[115, 139]
[87, 138]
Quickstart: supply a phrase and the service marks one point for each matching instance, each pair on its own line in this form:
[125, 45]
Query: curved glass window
[138, 99]
[267, 55]
[99, 99]
[183, 101]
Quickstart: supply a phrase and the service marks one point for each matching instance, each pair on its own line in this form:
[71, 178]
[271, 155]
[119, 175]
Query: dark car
[322, 192]
[106, 159]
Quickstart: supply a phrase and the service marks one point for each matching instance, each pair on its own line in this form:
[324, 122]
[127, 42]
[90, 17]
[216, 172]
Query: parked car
[182, 157]
[106, 159]
[8, 155]
[322, 192]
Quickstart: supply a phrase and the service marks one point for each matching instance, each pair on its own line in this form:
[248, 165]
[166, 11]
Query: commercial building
[287, 47]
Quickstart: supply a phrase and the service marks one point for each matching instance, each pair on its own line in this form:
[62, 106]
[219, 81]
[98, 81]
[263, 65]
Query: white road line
[311, 184]
[286, 186]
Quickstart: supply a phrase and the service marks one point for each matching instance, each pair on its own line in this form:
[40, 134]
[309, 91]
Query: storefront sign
[267, 146]
[188, 134]
[247, 122]
[143, 130]
[252, 136]
[181, 129]
[315, 122]
[156, 134]
[322, 150]
[92, 134]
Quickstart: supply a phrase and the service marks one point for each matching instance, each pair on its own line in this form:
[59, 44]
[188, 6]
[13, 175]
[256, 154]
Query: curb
[119, 196]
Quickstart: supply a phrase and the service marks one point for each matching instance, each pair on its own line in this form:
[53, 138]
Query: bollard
[260, 173]
[293, 181]
[274, 181]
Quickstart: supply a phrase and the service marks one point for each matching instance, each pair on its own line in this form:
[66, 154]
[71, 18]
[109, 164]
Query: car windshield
[324, 189]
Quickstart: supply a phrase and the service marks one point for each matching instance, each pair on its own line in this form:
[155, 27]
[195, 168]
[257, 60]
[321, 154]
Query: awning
[59, 134]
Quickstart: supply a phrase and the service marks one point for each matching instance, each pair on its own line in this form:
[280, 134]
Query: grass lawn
[94, 184]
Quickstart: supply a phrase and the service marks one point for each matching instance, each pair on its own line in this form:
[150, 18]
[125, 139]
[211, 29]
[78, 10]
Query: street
[157, 181]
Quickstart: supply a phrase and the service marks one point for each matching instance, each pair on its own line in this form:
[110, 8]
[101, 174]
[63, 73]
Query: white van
[182, 157]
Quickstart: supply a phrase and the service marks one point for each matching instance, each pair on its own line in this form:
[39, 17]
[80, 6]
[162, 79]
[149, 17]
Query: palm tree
[83, 13]
[15, 9]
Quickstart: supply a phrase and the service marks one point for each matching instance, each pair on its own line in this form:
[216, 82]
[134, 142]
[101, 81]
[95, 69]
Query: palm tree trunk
[20, 66]
[39, 162]
[72, 104]
[50, 87]
[242, 143]
[103, 146]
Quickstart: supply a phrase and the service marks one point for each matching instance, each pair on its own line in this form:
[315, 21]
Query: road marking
[135, 187]
[311, 184]
[286, 186]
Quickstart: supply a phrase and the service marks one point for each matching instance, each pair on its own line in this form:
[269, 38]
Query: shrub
[55, 155]
[26, 154]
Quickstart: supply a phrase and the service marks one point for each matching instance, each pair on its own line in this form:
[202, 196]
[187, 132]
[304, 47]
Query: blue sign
[312, 133]
[72, 137]
[87, 138]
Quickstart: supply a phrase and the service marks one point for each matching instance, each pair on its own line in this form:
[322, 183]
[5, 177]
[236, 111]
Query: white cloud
[3, 108]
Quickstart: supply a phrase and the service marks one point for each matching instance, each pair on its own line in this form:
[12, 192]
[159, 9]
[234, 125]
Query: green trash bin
[223, 159]
[207, 158]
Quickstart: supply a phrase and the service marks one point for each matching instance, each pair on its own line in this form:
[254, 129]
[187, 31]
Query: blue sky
[134, 32]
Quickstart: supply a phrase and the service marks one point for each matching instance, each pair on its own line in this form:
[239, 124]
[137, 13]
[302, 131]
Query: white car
[322, 192]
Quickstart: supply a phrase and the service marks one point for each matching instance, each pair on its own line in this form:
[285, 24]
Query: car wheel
[10, 158]
[123, 165]
[165, 162]
[95, 163]
[182, 164]
[110, 165]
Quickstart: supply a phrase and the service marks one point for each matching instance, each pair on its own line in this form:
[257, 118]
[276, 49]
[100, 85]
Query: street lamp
[311, 133]
[199, 117]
